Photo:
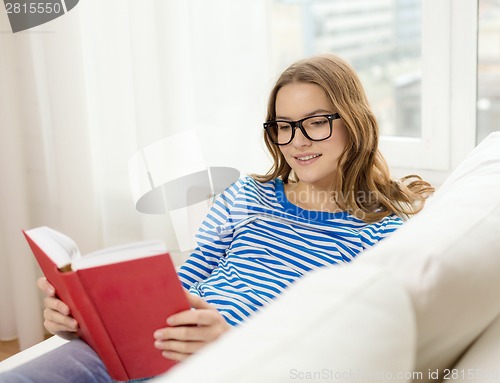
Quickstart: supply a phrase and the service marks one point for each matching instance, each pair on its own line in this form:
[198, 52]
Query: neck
[311, 197]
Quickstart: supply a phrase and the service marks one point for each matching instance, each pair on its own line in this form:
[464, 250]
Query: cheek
[284, 150]
[340, 132]
[340, 138]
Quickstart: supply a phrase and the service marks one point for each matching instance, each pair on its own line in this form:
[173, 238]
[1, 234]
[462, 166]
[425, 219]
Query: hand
[190, 330]
[57, 316]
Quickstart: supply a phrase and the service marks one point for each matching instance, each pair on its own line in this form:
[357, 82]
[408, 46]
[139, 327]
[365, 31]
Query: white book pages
[58, 247]
[63, 251]
[120, 253]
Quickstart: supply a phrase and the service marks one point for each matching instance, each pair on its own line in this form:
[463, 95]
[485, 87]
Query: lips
[307, 158]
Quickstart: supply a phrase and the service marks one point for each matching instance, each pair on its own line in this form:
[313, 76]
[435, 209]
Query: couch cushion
[481, 362]
[448, 257]
[345, 323]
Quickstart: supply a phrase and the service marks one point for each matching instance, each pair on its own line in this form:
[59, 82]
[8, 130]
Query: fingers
[199, 317]
[185, 333]
[56, 305]
[190, 330]
[57, 313]
[57, 317]
[65, 324]
[46, 287]
[198, 303]
[55, 322]
[176, 350]
[177, 343]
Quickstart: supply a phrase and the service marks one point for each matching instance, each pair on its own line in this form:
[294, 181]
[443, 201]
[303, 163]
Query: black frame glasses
[270, 127]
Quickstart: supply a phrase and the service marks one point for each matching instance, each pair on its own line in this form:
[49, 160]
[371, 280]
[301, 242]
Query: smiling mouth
[308, 158]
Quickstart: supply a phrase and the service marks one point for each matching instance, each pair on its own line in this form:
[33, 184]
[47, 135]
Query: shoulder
[371, 233]
[383, 228]
[243, 195]
[247, 185]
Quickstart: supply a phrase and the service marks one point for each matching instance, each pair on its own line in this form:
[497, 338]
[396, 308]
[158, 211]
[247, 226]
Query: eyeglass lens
[317, 128]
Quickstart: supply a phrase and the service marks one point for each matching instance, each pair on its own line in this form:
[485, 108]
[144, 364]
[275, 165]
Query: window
[488, 71]
[380, 38]
[416, 59]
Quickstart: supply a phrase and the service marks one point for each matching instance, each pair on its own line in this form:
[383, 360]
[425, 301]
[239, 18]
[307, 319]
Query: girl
[327, 197]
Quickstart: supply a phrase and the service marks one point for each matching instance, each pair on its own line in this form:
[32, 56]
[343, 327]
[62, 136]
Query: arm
[190, 330]
[213, 238]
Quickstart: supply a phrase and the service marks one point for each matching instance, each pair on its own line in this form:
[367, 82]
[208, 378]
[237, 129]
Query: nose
[299, 140]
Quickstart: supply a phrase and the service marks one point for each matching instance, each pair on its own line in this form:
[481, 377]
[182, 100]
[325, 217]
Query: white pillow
[351, 323]
[448, 257]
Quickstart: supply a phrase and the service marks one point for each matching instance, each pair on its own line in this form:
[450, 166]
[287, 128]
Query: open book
[119, 296]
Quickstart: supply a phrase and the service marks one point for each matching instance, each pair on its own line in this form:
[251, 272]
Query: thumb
[197, 303]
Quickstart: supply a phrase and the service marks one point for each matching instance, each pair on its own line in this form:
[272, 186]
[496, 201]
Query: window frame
[448, 97]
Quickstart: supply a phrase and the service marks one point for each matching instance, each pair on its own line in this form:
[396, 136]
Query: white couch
[422, 305]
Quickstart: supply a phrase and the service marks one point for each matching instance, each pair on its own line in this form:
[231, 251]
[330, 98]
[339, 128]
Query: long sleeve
[213, 238]
[253, 244]
[373, 233]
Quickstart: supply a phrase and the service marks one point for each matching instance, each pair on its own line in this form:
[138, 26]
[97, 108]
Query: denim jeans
[73, 362]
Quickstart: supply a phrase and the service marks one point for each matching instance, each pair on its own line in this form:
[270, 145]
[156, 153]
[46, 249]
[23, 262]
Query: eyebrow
[317, 111]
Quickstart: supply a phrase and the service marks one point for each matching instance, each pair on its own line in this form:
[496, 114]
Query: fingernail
[170, 321]
[157, 335]
[50, 291]
[158, 344]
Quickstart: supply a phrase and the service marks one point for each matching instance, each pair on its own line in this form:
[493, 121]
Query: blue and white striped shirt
[254, 243]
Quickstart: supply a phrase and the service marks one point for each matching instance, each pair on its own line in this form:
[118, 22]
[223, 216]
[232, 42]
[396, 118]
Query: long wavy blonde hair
[362, 185]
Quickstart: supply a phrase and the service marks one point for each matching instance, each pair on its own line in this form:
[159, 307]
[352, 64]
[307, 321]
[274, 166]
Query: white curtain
[82, 93]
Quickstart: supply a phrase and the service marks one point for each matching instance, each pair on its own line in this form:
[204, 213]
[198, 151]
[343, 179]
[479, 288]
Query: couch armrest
[31, 353]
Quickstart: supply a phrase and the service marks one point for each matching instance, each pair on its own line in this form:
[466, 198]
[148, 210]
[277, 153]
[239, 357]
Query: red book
[119, 296]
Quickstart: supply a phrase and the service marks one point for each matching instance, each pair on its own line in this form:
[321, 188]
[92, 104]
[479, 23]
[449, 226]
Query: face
[314, 162]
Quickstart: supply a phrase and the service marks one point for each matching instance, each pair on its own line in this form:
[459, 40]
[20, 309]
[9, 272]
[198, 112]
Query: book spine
[91, 329]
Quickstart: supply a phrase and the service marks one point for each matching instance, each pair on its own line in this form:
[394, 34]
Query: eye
[283, 126]
[318, 122]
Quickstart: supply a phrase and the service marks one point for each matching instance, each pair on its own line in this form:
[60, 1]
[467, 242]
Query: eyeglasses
[314, 128]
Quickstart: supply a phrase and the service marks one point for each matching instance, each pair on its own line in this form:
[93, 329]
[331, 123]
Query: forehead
[299, 99]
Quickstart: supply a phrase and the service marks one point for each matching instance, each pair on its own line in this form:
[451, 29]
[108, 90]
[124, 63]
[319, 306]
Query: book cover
[118, 306]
